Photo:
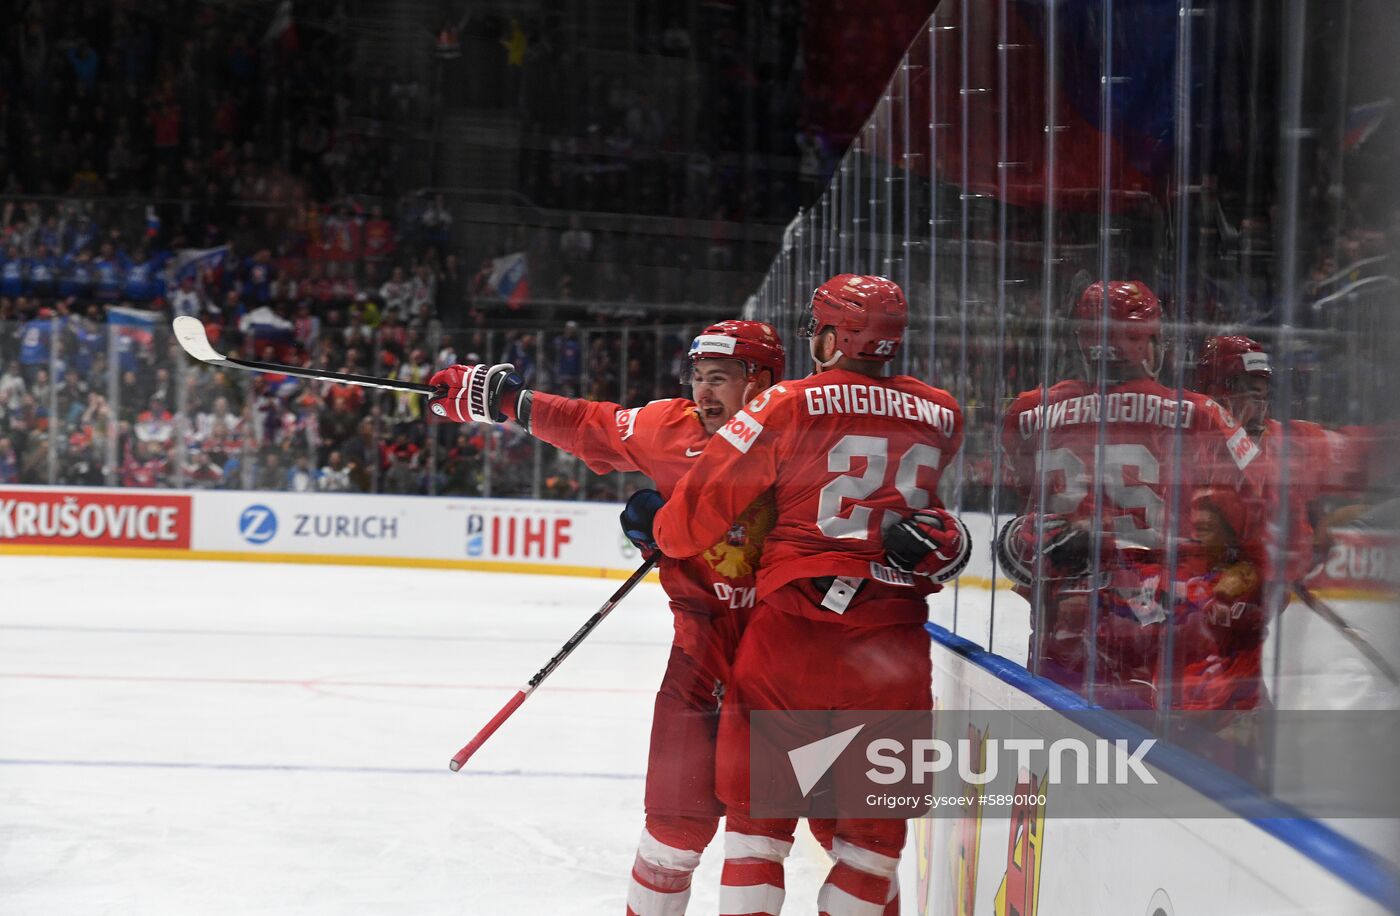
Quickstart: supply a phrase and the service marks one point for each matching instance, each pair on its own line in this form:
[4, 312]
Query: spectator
[409, 407]
[378, 237]
[576, 243]
[156, 425]
[302, 478]
[143, 467]
[9, 461]
[12, 387]
[34, 342]
[204, 473]
[397, 293]
[187, 300]
[335, 476]
[218, 420]
[14, 273]
[362, 454]
[451, 290]
[435, 223]
[423, 294]
[568, 361]
[271, 475]
[400, 475]
[42, 273]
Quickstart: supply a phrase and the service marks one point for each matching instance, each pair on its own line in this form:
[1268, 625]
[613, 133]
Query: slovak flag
[510, 279]
[191, 262]
[135, 330]
[1362, 121]
[136, 323]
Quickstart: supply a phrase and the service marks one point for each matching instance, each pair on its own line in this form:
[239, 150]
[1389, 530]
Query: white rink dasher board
[497, 535]
[1138, 865]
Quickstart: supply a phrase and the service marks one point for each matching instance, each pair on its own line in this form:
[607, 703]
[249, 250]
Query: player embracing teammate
[853, 459]
[711, 592]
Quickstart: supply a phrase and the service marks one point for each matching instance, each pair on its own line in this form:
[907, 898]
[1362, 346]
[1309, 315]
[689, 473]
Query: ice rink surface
[184, 737]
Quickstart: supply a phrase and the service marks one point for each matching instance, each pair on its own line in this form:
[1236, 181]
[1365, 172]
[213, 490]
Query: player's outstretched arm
[607, 437]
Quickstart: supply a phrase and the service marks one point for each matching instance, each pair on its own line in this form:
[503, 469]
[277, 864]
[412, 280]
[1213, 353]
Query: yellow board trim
[241, 556]
[1345, 593]
[244, 556]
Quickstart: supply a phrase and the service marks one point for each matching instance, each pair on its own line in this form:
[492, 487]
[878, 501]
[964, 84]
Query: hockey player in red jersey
[711, 593]
[1236, 371]
[1098, 462]
[853, 459]
[1220, 648]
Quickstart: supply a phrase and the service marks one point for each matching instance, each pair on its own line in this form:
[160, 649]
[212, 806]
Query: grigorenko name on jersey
[878, 401]
[1123, 407]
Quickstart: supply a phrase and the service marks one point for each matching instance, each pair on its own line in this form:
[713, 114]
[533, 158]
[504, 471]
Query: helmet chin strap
[822, 366]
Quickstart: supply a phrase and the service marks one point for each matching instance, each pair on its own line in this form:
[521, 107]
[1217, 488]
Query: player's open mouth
[712, 412]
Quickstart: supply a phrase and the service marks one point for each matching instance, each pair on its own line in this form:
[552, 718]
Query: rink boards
[1034, 862]
[565, 538]
[490, 535]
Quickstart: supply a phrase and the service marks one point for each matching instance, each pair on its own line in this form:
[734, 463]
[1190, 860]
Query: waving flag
[191, 262]
[135, 330]
[1362, 121]
[510, 279]
[264, 324]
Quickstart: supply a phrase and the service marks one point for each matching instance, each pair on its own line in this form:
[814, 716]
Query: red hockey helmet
[1228, 506]
[1223, 359]
[1134, 326]
[868, 313]
[753, 343]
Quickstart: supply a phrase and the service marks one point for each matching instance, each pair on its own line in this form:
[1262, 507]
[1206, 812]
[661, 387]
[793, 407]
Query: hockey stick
[514, 702]
[193, 338]
[1325, 611]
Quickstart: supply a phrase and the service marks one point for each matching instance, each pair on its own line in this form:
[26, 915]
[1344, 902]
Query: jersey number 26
[875, 451]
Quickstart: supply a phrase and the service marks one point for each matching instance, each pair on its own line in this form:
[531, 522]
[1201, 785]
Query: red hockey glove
[931, 542]
[1062, 546]
[473, 394]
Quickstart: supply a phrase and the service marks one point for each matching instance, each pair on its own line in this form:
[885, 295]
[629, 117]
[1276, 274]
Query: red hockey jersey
[846, 455]
[663, 440]
[1152, 438]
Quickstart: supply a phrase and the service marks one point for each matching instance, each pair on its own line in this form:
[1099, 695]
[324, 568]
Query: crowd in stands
[205, 104]
[85, 350]
[666, 135]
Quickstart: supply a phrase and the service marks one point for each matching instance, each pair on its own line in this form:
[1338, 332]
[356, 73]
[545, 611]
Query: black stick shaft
[515, 702]
[593, 622]
[194, 338]
[364, 381]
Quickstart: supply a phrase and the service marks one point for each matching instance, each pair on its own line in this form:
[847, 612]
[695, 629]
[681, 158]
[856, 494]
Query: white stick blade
[190, 333]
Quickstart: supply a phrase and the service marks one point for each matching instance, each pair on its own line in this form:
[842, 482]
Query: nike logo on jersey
[694, 452]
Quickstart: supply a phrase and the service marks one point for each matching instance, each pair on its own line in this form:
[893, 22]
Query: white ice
[184, 737]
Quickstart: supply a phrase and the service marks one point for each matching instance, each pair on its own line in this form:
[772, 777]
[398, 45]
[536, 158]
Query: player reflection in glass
[1107, 467]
